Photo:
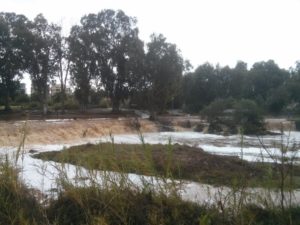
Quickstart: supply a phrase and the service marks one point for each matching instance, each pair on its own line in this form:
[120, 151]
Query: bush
[70, 104]
[228, 116]
[216, 109]
[219, 114]
[249, 117]
[277, 100]
[34, 105]
[22, 99]
[105, 103]
[116, 206]
[81, 206]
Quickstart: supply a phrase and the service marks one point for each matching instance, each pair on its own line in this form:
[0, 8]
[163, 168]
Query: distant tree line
[272, 88]
[104, 54]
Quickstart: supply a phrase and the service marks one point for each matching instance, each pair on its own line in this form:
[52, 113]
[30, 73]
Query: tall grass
[18, 204]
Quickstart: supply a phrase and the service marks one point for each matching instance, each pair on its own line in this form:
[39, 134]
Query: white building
[56, 88]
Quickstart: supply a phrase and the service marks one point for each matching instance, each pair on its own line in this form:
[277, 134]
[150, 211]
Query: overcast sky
[217, 31]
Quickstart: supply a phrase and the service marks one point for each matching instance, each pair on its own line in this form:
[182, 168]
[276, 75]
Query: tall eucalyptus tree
[107, 45]
[42, 56]
[12, 59]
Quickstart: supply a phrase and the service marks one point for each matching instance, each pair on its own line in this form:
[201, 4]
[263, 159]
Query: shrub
[71, 104]
[216, 109]
[105, 102]
[22, 99]
[249, 117]
[121, 206]
[229, 116]
[34, 105]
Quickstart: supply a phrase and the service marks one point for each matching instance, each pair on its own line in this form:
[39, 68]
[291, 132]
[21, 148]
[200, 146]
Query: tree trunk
[83, 107]
[45, 104]
[63, 104]
[7, 107]
[45, 108]
[62, 98]
[151, 105]
[116, 106]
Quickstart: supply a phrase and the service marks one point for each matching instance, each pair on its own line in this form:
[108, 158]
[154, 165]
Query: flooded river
[43, 175]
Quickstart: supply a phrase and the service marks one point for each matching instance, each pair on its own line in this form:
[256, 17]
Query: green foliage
[105, 103]
[42, 56]
[231, 115]
[120, 206]
[200, 88]
[105, 51]
[34, 105]
[12, 29]
[22, 98]
[172, 161]
[18, 205]
[113, 54]
[271, 87]
[164, 66]
[264, 78]
[216, 109]
[277, 100]
[70, 104]
[249, 117]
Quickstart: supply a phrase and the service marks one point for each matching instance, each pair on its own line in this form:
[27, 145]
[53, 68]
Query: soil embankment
[57, 131]
[280, 123]
[68, 131]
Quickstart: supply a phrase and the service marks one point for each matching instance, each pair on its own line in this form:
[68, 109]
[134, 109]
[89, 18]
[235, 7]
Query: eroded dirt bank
[64, 131]
[57, 131]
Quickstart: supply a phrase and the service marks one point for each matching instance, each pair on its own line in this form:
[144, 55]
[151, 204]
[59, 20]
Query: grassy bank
[173, 161]
[121, 205]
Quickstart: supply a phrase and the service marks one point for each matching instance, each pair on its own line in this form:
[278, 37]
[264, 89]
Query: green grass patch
[172, 161]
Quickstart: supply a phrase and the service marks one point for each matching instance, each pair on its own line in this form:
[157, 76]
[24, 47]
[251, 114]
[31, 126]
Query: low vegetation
[173, 161]
[123, 203]
[18, 204]
[229, 116]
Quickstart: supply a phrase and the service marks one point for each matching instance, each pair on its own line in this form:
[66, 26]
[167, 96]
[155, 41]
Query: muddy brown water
[64, 131]
[57, 131]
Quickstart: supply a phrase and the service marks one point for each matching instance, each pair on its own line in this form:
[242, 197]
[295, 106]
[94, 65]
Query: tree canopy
[108, 47]
[104, 56]
[164, 70]
[12, 53]
[42, 55]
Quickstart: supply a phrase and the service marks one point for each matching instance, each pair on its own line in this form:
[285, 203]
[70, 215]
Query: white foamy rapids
[43, 176]
[265, 148]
